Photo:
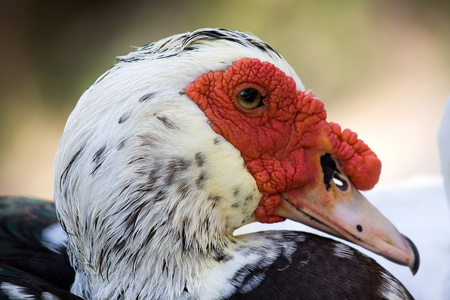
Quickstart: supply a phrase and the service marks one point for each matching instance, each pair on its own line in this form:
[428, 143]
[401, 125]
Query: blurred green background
[382, 68]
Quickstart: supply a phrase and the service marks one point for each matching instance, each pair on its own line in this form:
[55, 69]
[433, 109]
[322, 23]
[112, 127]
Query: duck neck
[125, 263]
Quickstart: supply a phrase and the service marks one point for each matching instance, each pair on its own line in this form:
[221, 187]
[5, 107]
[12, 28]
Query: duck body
[296, 265]
[189, 138]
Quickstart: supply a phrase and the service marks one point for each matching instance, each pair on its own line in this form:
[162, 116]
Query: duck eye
[250, 98]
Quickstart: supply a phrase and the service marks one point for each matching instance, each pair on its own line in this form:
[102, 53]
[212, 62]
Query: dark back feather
[25, 262]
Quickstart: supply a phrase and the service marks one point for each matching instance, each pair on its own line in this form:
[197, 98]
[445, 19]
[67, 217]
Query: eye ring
[249, 98]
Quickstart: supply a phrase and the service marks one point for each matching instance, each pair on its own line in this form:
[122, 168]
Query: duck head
[185, 140]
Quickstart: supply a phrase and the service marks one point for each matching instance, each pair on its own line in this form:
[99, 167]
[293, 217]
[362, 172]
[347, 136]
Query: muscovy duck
[180, 143]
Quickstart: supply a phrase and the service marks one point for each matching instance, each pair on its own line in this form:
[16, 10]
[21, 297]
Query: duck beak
[333, 205]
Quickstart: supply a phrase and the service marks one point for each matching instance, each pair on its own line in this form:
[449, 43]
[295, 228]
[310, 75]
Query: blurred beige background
[382, 68]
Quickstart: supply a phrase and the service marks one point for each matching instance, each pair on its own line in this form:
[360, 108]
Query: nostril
[359, 228]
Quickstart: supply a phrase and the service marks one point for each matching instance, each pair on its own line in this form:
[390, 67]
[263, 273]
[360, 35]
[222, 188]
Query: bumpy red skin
[282, 140]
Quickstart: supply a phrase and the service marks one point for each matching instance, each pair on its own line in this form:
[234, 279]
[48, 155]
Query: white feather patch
[54, 238]
[15, 292]
[391, 289]
[343, 251]
[48, 296]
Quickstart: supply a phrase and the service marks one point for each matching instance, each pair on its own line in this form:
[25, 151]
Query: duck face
[306, 168]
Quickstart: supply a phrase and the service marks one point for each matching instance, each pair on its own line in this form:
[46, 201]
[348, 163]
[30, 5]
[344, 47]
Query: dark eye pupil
[250, 95]
[250, 98]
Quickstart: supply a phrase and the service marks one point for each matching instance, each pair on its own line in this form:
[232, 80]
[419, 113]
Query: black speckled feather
[27, 267]
[320, 268]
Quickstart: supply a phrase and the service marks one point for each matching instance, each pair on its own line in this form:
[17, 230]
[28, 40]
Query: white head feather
[139, 172]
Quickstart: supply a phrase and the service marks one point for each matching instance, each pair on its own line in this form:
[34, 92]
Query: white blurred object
[444, 153]
[444, 147]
